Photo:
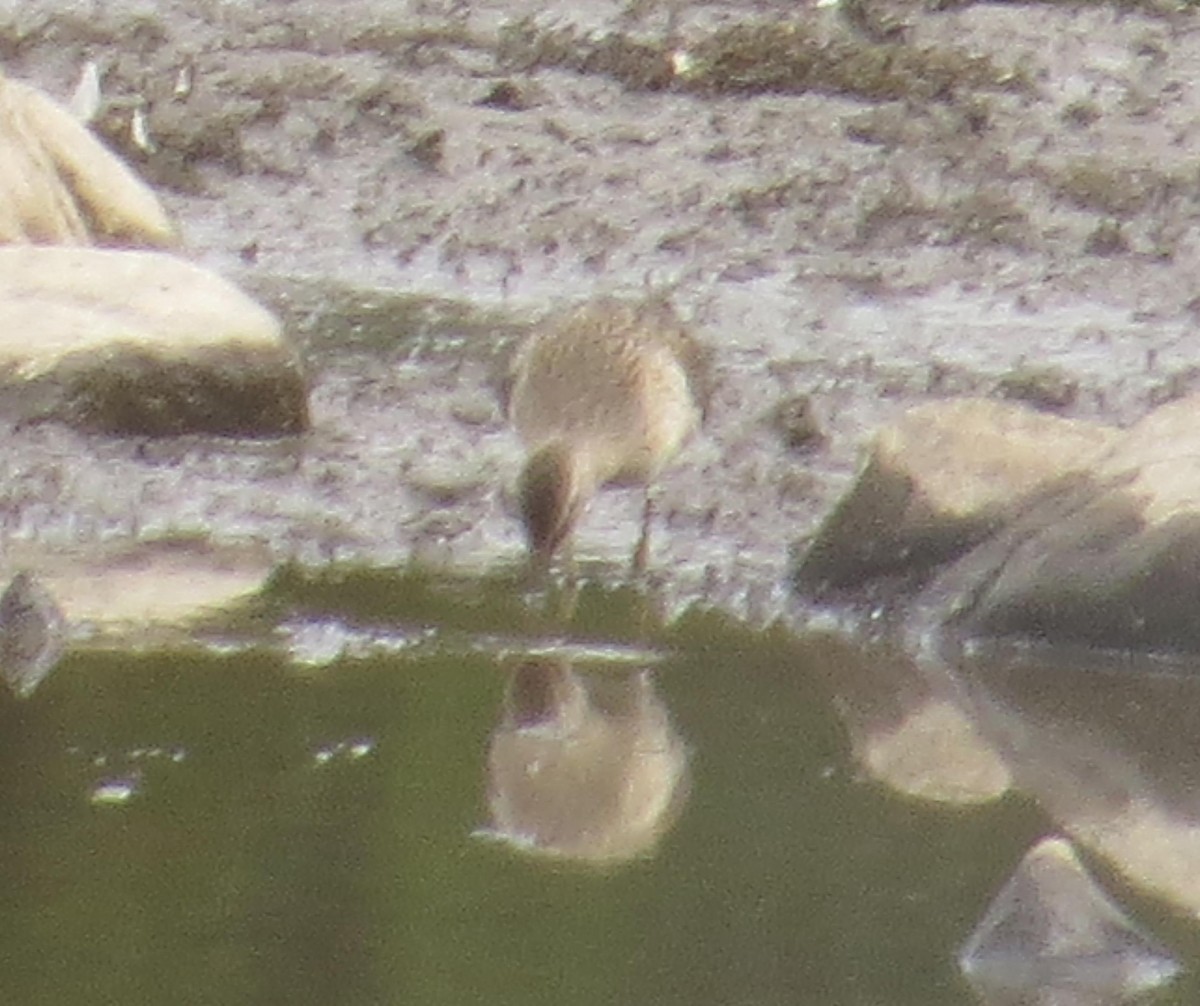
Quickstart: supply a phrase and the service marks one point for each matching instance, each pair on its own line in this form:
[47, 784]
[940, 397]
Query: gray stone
[1116, 563]
[1059, 531]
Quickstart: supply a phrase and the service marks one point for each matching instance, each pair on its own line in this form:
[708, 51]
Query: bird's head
[552, 496]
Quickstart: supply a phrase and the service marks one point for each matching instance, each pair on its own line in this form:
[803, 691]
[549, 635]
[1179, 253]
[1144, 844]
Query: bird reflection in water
[584, 766]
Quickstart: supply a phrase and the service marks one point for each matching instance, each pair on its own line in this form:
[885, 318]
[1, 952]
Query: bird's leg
[569, 566]
[562, 600]
[641, 554]
[570, 580]
[568, 601]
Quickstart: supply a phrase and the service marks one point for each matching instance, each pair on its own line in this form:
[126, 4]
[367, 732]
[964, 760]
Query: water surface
[273, 821]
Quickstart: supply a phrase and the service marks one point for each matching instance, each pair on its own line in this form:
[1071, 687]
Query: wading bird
[605, 393]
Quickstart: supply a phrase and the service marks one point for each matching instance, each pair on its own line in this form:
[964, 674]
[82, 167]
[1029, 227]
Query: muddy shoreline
[408, 184]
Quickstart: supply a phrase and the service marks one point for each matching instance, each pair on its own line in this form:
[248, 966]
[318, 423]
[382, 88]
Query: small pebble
[796, 423]
[1050, 389]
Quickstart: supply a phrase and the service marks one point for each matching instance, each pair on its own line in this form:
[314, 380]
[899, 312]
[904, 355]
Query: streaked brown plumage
[605, 393]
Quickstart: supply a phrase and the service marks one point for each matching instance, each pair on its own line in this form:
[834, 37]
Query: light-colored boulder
[128, 595]
[61, 185]
[1061, 531]
[147, 590]
[942, 478]
[141, 342]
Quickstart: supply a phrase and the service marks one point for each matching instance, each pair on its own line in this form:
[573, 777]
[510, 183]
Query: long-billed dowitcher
[607, 392]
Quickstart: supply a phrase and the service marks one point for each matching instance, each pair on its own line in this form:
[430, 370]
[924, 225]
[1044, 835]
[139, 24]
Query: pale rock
[128, 595]
[60, 185]
[162, 585]
[141, 342]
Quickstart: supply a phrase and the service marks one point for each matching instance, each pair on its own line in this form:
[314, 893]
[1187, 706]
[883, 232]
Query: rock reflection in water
[584, 766]
[909, 732]
[32, 634]
[1053, 936]
[1110, 748]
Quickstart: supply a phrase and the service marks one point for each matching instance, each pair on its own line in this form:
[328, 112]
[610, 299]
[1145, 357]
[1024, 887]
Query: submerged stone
[1052, 934]
[114, 792]
[141, 343]
[32, 634]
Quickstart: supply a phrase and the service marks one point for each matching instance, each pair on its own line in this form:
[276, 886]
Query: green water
[281, 833]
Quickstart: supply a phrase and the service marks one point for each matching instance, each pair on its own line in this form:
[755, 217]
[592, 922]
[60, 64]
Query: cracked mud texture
[862, 208]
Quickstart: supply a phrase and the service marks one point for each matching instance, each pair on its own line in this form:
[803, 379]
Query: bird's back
[623, 379]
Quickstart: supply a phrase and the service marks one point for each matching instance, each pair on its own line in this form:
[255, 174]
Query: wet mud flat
[860, 208]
